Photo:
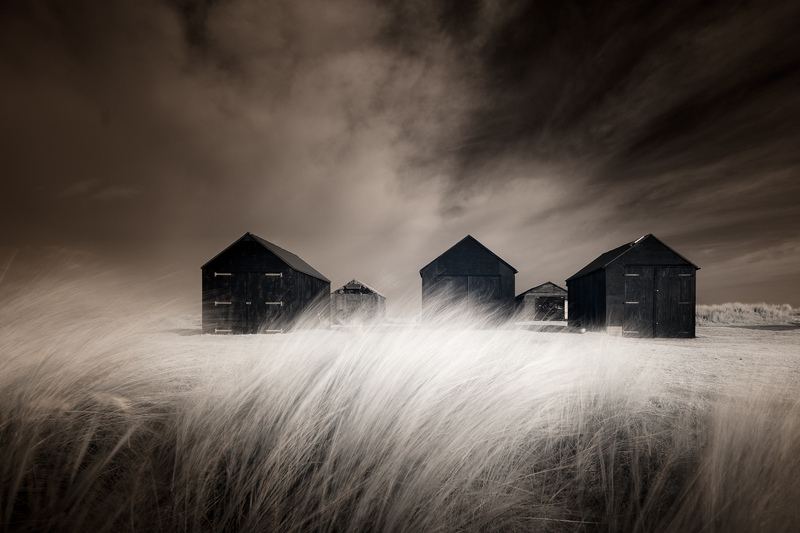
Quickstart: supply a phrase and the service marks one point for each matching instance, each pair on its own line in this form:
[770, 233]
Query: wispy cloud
[556, 130]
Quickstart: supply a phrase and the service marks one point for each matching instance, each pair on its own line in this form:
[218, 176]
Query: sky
[368, 136]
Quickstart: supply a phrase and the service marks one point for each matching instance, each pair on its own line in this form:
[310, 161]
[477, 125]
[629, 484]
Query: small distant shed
[547, 301]
[357, 303]
[641, 289]
[470, 278]
[254, 286]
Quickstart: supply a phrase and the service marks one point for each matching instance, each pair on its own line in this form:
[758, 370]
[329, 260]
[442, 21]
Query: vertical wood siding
[649, 291]
[260, 292]
[468, 277]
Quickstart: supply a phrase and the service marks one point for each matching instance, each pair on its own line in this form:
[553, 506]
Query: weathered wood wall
[247, 289]
[357, 308]
[649, 252]
[587, 301]
[647, 291]
[468, 278]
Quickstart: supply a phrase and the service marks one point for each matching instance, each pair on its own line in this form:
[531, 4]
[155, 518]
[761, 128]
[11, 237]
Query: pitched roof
[548, 284]
[356, 282]
[603, 260]
[472, 239]
[284, 255]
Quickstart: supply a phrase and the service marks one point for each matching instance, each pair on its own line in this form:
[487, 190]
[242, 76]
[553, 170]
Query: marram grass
[746, 314]
[113, 422]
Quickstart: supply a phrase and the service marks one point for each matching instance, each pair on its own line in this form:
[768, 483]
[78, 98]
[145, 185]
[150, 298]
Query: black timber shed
[470, 278]
[547, 301]
[254, 286]
[357, 303]
[641, 289]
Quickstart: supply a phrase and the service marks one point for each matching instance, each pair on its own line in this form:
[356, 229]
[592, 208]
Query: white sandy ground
[720, 361]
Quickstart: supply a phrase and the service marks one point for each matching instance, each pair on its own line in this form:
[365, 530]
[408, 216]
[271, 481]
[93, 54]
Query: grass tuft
[108, 425]
[746, 314]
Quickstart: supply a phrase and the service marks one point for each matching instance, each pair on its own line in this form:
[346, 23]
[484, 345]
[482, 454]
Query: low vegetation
[746, 314]
[106, 425]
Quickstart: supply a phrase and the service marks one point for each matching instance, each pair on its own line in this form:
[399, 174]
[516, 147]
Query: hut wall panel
[615, 294]
[247, 256]
[653, 253]
[465, 264]
[674, 302]
[217, 289]
[358, 308]
[468, 259]
[311, 302]
[448, 293]
[484, 295]
[507, 289]
[428, 283]
[577, 311]
[587, 301]
[638, 302]
[239, 309]
[598, 307]
[263, 293]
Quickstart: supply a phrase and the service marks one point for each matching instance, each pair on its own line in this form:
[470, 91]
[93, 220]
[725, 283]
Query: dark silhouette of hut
[543, 302]
[641, 289]
[254, 286]
[357, 303]
[468, 278]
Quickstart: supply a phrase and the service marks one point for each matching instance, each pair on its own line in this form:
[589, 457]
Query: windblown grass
[746, 314]
[104, 426]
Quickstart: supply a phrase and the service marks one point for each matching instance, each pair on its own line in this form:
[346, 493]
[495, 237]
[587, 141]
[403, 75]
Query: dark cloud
[679, 115]
[369, 135]
[194, 17]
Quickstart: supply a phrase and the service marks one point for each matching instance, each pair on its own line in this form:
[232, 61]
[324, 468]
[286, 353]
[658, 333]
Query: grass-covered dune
[115, 416]
[731, 314]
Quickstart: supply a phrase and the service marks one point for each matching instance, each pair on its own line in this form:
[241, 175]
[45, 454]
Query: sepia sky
[368, 136]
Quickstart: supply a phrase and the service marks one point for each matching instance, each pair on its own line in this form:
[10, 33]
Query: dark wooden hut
[254, 286]
[641, 289]
[357, 303]
[469, 278]
[547, 301]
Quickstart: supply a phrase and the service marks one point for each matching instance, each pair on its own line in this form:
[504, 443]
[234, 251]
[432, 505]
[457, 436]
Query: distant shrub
[745, 314]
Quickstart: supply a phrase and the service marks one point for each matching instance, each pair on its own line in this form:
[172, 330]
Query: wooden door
[267, 305]
[239, 311]
[223, 316]
[638, 310]
[674, 302]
